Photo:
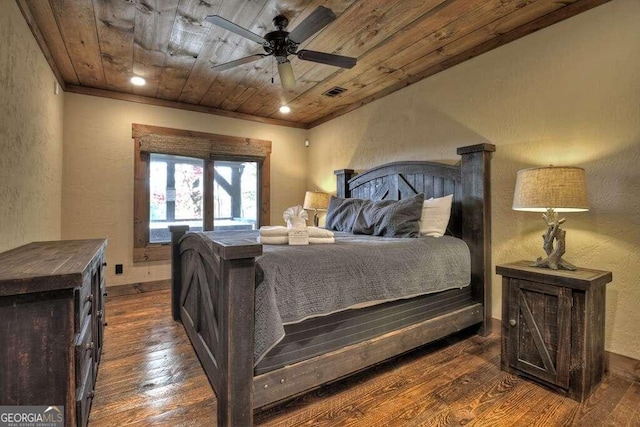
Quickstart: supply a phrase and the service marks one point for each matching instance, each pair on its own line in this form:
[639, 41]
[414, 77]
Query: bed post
[476, 222]
[342, 182]
[235, 394]
[177, 231]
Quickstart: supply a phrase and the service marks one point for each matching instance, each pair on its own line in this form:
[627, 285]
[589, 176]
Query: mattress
[296, 283]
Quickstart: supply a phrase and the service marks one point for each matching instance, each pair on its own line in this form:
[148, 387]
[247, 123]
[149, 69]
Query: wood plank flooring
[149, 375]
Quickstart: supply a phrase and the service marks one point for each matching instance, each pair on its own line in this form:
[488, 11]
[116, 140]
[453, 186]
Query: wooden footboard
[213, 295]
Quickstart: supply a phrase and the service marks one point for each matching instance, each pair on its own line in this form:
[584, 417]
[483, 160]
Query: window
[202, 180]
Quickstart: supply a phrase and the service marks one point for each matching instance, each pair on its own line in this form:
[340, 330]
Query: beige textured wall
[30, 137]
[97, 198]
[567, 95]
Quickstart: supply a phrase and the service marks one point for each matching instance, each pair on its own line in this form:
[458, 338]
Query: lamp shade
[562, 188]
[316, 200]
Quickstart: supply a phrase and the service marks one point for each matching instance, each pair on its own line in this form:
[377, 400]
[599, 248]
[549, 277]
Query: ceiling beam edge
[23, 5]
[180, 105]
[524, 30]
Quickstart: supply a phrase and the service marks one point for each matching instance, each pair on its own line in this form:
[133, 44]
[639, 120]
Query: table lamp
[316, 201]
[551, 190]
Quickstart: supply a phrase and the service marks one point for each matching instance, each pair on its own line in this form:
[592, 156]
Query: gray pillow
[341, 213]
[390, 218]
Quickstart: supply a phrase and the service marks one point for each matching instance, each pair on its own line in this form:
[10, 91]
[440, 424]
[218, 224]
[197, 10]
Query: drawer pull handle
[89, 346]
[99, 314]
[104, 264]
[512, 322]
[91, 394]
[105, 294]
[89, 298]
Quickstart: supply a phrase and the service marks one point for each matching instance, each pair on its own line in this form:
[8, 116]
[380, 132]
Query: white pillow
[435, 216]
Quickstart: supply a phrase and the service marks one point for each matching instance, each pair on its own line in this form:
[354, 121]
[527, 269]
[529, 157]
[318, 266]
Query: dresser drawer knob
[91, 394]
[89, 346]
[89, 298]
[512, 322]
[105, 293]
[100, 313]
[104, 264]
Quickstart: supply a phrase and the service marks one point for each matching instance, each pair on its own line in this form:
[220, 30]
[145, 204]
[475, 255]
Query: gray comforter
[294, 283]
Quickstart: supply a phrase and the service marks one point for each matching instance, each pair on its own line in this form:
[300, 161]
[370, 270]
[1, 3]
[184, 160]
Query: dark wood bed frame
[220, 324]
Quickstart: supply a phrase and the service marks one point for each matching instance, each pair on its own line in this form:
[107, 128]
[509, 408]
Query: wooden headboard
[470, 213]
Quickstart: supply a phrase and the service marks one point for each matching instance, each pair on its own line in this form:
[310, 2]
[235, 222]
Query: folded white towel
[321, 240]
[274, 231]
[273, 240]
[319, 232]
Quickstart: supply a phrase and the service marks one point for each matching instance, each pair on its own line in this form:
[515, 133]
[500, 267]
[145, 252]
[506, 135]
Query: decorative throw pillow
[341, 213]
[390, 218]
[435, 216]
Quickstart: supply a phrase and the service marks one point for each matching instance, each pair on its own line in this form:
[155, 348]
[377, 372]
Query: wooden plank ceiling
[95, 46]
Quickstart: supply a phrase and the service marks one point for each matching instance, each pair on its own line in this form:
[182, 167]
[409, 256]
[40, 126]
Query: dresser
[52, 321]
[553, 326]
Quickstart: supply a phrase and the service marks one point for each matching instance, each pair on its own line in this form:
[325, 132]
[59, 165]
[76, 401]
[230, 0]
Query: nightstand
[553, 326]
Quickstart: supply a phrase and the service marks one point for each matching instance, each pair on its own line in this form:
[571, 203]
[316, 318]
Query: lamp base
[555, 251]
[316, 219]
[554, 264]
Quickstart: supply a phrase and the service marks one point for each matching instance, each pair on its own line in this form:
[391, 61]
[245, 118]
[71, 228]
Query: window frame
[206, 146]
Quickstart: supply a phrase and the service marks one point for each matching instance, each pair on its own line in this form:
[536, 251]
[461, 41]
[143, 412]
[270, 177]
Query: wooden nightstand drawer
[553, 326]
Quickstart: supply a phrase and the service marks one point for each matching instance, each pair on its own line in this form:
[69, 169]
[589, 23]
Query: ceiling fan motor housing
[279, 44]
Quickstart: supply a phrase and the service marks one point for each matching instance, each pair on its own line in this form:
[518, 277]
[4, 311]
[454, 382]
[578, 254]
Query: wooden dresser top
[46, 266]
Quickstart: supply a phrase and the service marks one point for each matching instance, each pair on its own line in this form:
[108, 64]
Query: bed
[214, 295]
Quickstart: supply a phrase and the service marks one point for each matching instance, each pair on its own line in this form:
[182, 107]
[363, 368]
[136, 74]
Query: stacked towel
[320, 240]
[319, 232]
[320, 235]
[274, 235]
[279, 235]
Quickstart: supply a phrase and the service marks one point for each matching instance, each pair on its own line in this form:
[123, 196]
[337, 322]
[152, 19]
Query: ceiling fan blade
[319, 18]
[327, 58]
[287, 79]
[234, 28]
[237, 62]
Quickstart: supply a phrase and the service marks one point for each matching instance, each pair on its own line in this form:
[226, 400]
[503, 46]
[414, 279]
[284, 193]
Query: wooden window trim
[154, 139]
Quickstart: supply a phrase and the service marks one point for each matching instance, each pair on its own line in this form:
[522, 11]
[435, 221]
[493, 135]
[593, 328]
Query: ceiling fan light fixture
[138, 81]
[287, 79]
[285, 109]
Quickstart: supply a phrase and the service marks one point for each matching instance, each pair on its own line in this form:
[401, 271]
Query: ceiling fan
[281, 43]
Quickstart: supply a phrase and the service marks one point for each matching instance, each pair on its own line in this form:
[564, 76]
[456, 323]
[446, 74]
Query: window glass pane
[222, 202]
[236, 195]
[175, 195]
[188, 184]
[158, 189]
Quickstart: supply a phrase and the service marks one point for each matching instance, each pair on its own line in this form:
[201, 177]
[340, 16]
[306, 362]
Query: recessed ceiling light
[138, 81]
[285, 109]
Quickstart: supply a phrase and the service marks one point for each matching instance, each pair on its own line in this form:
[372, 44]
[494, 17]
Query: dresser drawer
[85, 393]
[84, 350]
[84, 301]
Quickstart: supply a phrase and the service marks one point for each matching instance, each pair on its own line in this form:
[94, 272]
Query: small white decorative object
[296, 217]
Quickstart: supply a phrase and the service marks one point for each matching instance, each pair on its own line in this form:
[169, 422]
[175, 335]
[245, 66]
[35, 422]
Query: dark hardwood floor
[149, 375]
